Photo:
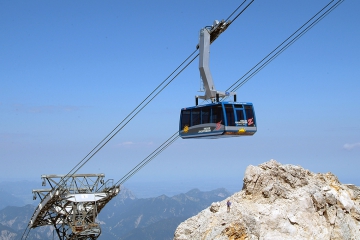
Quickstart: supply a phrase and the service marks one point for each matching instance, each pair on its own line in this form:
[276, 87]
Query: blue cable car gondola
[217, 120]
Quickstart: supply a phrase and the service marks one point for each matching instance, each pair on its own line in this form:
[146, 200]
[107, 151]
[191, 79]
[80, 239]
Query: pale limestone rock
[215, 207]
[281, 202]
[345, 201]
[331, 197]
[330, 214]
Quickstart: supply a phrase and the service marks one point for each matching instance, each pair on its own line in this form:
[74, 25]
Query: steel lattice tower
[72, 204]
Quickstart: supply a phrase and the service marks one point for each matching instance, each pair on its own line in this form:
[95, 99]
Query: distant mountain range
[125, 217]
[16, 193]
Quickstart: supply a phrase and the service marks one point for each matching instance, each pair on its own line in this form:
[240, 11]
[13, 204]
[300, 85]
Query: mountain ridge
[280, 202]
[125, 217]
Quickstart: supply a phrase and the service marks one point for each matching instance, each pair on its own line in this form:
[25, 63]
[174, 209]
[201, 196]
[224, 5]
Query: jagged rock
[281, 202]
[215, 207]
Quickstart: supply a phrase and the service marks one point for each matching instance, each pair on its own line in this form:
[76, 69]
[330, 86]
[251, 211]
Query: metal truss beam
[72, 205]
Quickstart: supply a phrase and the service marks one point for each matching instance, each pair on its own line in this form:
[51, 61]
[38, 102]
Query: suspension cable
[150, 157]
[129, 117]
[26, 232]
[239, 12]
[284, 45]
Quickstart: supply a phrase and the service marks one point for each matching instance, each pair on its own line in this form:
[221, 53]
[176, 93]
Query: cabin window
[185, 118]
[217, 114]
[205, 115]
[240, 118]
[238, 106]
[230, 117]
[250, 116]
[195, 117]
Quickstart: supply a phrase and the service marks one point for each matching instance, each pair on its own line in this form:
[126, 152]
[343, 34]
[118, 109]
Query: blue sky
[71, 71]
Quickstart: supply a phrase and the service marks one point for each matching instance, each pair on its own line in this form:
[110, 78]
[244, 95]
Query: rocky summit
[281, 202]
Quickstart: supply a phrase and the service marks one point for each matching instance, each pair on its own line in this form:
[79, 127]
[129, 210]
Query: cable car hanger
[207, 36]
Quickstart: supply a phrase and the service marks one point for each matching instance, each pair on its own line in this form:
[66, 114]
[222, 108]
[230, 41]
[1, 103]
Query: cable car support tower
[72, 204]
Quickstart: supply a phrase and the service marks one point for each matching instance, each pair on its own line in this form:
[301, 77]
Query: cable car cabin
[218, 120]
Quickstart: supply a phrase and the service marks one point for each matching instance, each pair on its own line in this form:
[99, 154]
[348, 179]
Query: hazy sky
[70, 71]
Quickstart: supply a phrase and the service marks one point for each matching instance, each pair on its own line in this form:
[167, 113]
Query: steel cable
[150, 157]
[239, 12]
[283, 48]
[130, 116]
[26, 232]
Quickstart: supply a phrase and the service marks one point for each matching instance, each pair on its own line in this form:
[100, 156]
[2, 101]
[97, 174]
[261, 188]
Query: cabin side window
[205, 115]
[250, 116]
[195, 117]
[185, 118]
[217, 114]
[240, 117]
[230, 117]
